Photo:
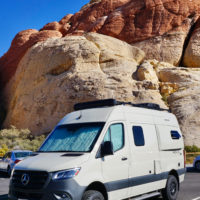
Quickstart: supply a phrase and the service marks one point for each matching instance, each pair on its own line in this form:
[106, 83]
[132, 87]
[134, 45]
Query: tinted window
[138, 136]
[22, 154]
[175, 135]
[115, 134]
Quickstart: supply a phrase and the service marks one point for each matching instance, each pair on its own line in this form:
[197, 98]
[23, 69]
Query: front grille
[37, 179]
[30, 196]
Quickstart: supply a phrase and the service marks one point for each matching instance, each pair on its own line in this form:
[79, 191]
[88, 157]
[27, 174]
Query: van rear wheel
[92, 195]
[171, 190]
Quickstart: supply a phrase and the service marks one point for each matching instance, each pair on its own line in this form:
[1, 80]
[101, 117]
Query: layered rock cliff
[150, 54]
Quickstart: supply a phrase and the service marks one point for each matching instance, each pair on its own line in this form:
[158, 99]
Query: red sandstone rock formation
[20, 44]
[128, 20]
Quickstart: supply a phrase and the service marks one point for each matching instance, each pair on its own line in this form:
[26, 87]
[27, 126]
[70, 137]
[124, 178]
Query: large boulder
[168, 47]
[62, 71]
[192, 52]
[186, 106]
[59, 72]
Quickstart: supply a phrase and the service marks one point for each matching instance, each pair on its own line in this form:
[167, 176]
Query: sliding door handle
[124, 158]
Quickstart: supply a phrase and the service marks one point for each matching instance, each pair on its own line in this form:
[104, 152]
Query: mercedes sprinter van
[105, 150]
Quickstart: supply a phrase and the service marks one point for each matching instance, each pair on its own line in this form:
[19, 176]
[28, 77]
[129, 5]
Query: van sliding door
[145, 171]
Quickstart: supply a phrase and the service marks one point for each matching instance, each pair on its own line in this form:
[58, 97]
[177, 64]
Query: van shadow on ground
[4, 197]
[3, 175]
[192, 170]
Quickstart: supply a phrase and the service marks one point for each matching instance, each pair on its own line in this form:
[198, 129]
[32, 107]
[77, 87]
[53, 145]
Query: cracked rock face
[45, 72]
[185, 104]
[60, 72]
[181, 86]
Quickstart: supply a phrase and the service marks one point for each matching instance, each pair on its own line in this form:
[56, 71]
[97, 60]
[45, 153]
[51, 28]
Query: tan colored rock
[166, 48]
[115, 49]
[62, 71]
[168, 88]
[56, 73]
[179, 88]
[186, 106]
[192, 53]
[146, 72]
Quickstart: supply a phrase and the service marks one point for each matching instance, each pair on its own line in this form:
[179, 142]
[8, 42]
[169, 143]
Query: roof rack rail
[114, 102]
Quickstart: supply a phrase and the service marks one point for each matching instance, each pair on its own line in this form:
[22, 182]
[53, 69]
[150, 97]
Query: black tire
[92, 195]
[197, 165]
[172, 188]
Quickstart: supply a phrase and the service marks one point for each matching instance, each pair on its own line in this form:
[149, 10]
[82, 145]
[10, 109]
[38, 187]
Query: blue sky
[18, 15]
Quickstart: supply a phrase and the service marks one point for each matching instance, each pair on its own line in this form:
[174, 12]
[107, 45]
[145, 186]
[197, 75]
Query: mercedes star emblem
[25, 179]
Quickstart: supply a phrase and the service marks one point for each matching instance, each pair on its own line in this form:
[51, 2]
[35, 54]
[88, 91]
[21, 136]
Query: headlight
[66, 174]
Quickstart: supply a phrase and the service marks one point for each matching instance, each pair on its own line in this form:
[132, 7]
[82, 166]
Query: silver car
[196, 163]
[11, 158]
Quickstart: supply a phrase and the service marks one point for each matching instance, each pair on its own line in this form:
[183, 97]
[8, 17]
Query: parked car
[196, 163]
[10, 159]
[105, 150]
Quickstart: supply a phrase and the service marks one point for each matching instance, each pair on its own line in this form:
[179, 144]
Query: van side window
[138, 136]
[175, 135]
[115, 134]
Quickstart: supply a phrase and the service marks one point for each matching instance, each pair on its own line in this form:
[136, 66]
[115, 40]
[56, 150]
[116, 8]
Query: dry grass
[191, 156]
[14, 138]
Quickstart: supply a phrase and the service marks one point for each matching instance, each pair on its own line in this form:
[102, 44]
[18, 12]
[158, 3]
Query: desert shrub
[3, 150]
[14, 138]
[192, 148]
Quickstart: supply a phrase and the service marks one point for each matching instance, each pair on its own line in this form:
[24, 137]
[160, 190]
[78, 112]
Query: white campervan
[105, 150]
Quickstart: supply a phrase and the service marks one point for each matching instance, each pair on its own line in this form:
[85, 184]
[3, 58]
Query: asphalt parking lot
[190, 188]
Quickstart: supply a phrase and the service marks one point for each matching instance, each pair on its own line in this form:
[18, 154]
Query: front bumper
[49, 192]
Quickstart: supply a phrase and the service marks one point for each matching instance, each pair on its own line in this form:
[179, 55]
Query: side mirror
[107, 149]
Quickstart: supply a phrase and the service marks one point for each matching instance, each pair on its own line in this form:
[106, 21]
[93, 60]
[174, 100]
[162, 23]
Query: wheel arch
[99, 187]
[175, 173]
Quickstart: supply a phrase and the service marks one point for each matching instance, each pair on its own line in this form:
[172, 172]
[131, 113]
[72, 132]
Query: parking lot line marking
[196, 198]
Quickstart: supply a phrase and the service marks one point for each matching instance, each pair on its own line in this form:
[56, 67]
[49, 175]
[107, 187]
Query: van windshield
[73, 138]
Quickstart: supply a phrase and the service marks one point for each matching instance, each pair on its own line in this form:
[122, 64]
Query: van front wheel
[171, 190]
[92, 195]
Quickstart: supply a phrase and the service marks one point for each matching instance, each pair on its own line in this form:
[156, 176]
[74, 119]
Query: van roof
[118, 113]
[114, 102]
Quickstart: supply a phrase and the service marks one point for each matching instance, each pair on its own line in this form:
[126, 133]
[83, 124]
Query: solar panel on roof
[114, 102]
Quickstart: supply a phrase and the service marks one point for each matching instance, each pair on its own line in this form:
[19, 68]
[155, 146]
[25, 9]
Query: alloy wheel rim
[173, 188]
